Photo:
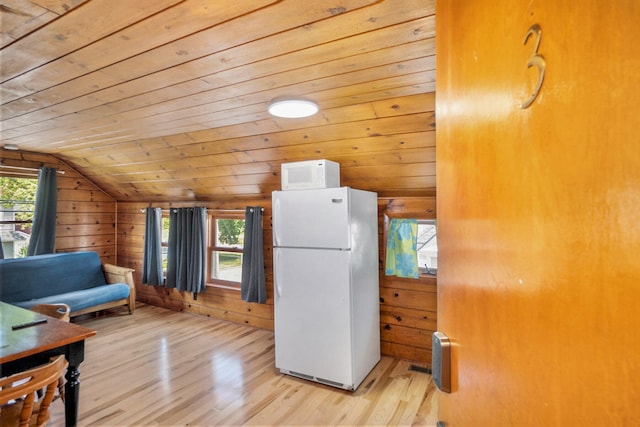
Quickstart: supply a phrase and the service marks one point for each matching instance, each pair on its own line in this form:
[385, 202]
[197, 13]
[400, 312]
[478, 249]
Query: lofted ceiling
[167, 99]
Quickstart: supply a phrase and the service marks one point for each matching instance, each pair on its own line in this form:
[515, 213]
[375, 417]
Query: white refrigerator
[325, 253]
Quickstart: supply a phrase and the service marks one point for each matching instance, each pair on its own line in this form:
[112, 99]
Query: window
[427, 246]
[17, 202]
[164, 241]
[225, 248]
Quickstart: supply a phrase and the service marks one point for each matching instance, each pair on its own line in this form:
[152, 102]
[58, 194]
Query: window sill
[224, 286]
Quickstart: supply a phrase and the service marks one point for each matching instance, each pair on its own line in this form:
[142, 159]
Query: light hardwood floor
[163, 368]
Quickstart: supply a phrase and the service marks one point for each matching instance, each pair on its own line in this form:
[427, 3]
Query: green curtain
[402, 254]
[187, 251]
[152, 262]
[252, 287]
[43, 233]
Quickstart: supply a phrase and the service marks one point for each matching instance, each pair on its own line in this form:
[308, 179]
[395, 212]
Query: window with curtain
[411, 248]
[401, 248]
[253, 287]
[186, 257]
[226, 244]
[152, 271]
[43, 233]
[17, 203]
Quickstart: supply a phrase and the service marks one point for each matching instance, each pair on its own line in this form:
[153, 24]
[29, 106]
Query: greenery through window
[17, 202]
[225, 248]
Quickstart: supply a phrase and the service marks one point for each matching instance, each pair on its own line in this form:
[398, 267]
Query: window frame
[388, 215]
[13, 223]
[213, 216]
[425, 271]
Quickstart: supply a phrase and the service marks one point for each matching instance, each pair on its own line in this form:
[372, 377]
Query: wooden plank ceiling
[167, 99]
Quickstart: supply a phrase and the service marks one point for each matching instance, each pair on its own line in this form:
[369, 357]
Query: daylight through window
[427, 246]
[164, 241]
[225, 248]
[17, 202]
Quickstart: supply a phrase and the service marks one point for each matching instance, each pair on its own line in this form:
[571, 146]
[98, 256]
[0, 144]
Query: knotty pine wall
[86, 217]
[216, 302]
[407, 306]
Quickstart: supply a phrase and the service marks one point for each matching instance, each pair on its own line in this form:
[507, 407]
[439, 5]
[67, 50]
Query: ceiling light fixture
[13, 147]
[293, 108]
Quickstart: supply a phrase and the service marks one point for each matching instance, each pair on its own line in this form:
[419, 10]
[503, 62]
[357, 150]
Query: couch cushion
[22, 279]
[82, 299]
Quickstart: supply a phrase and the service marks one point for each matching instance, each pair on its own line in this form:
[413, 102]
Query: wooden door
[539, 212]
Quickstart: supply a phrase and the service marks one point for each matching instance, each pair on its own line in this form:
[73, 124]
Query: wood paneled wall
[216, 302]
[407, 307]
[86, 217]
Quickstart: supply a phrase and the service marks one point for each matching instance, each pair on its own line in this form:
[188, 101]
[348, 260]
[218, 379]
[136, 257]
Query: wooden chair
[18, 404]
[60, 312]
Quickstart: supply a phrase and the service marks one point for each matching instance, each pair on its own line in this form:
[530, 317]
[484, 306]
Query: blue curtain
[152, 263]
[43, 233]
[402, 254]
[187, 251]
[252, 287]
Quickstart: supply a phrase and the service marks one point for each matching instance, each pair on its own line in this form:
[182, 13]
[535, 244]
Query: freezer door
[312, 218]
[312, 314]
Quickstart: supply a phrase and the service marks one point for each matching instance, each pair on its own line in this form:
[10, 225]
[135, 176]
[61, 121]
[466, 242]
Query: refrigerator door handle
[275, 209]
[336, 200]
[276, 261]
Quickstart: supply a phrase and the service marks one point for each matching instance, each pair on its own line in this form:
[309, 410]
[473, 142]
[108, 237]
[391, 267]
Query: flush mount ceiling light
[10, 147]
[293, 108]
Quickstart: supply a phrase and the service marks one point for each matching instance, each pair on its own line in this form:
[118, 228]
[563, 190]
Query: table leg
[75, 356]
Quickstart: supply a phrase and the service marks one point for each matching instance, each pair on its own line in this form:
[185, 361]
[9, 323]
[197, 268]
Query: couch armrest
[116, 274]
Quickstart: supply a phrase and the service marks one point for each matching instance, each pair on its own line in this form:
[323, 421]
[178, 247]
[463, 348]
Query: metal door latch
[441, 363]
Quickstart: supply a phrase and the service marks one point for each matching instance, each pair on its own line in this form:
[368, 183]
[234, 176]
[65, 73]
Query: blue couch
[78, 279]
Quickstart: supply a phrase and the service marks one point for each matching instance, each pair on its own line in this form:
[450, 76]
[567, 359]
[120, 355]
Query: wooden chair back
[57, 311]
[18, 404]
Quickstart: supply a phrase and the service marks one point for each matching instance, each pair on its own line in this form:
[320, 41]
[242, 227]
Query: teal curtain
[43, 233]
[402, 254]
[152, 262]
[187, 251]
[252, 287]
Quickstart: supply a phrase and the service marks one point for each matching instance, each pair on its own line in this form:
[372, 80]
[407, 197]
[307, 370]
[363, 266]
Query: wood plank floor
[163, 368]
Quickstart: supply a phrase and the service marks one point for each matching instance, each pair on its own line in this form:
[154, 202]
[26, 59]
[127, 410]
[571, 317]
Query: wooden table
[30, 346]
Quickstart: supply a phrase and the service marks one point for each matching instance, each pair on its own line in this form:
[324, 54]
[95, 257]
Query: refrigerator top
[319, 219]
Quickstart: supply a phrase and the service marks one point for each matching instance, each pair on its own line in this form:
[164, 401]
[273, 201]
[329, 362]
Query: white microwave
[310, 174]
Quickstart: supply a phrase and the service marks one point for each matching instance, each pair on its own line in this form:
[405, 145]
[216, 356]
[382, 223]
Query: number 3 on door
[535, 60]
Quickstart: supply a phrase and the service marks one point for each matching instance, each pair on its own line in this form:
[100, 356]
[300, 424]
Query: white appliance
[327, 314]
[310, 174]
